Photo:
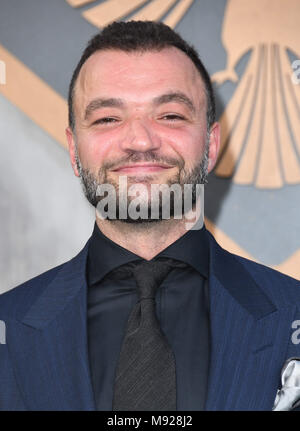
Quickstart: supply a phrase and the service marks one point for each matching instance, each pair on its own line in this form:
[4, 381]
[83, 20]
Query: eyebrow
[102, 103]
[175, 97]
[119, 103]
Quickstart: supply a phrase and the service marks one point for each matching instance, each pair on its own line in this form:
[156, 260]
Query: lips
[142, 168]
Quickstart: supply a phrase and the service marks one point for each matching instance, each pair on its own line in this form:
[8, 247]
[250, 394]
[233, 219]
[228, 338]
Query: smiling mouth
[142, 168]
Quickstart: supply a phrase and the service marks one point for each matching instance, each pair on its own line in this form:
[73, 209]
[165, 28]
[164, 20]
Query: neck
[143, 239]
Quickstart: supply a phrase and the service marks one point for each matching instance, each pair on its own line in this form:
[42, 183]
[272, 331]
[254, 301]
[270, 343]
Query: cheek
[189, 145]
[93, 150]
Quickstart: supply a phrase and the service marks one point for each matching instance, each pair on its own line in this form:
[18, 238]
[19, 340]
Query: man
[149, 315]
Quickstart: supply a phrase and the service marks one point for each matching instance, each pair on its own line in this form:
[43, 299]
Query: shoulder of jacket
[25, 292]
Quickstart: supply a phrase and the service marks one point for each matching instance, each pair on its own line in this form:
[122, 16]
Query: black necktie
[146, 374]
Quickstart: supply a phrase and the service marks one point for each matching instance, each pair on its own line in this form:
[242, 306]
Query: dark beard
[198, 175]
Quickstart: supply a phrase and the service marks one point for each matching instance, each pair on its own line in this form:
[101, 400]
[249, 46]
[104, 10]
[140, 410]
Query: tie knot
[150, 274]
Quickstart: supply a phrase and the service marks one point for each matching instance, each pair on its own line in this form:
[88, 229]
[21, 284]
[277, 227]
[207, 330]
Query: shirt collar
[105, 255]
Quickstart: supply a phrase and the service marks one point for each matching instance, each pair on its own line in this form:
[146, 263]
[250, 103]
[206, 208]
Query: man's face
[142, 115]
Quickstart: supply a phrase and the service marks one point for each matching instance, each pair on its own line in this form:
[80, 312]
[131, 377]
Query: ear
[214, 145]
[72, 149]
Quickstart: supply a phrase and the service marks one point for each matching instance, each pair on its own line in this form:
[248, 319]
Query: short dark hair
[141, 36]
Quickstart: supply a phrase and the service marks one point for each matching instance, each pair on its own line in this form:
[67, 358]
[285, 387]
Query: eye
[105, 120]
[172, 117]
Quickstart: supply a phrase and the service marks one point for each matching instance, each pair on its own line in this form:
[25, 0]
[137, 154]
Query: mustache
[139, 157]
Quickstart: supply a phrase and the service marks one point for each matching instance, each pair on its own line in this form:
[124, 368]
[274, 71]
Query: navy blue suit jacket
[44, 363]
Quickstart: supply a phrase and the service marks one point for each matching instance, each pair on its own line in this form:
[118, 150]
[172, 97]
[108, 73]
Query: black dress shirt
[182, 307]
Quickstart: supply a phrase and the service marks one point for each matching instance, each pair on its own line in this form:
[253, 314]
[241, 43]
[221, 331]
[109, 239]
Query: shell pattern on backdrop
[261, 124]
[110, 10]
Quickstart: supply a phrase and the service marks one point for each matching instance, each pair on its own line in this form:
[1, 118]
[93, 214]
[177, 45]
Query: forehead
[138, 75]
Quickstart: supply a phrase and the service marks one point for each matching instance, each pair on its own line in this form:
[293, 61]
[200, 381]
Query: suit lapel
[48, 345]
[244, 372]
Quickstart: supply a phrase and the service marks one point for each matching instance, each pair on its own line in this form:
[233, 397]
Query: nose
[140, 137]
